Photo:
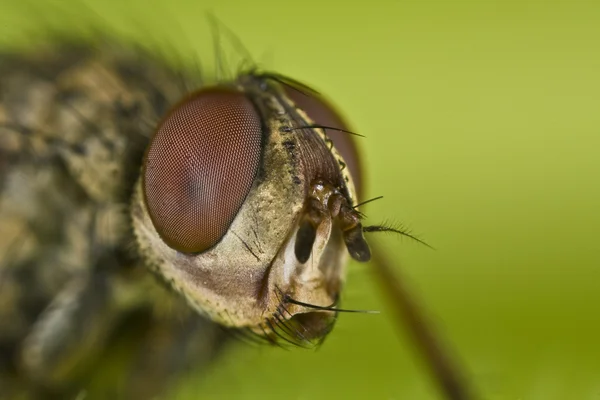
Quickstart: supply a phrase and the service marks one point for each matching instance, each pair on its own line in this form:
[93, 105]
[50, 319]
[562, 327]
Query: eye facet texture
[320, 111]
[200, 166]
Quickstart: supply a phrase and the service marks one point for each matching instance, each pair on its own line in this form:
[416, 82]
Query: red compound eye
[323, 113]
[200, 166]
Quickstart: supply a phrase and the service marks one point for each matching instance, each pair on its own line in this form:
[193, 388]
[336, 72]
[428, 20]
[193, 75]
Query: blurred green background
[483, 133]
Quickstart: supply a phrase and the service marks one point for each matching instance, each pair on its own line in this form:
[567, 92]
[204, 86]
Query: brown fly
[241, 197]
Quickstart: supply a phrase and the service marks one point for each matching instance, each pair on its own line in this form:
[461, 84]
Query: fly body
[74, 124]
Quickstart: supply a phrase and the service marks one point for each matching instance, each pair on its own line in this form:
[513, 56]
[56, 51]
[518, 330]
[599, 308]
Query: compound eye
[200, 166]
[323, 113]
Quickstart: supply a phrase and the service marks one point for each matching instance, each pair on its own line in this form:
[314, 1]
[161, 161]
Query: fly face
[245, 207]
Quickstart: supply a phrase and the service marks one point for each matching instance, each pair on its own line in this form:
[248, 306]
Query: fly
[241, 197]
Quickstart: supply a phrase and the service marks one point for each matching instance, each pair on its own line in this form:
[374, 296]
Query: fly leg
[104, 338]
[170, 346]
[68, 336]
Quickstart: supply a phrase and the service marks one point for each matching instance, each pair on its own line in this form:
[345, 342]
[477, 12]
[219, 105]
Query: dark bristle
[368, 201]
[314, 126]
[328, 308]
[289, 82]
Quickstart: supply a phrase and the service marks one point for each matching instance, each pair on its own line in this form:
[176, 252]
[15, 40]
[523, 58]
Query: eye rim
[345, 144]
[260, 132]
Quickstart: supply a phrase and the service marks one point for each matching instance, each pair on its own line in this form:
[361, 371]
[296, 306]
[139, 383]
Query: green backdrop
[483, 133]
